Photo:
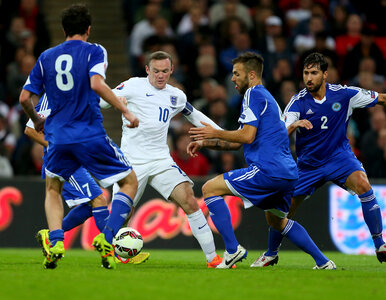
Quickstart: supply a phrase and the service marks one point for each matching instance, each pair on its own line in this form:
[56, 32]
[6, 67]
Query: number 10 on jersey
[163, 115]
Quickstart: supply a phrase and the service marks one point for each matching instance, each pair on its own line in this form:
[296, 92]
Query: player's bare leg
[129, 185]
[53, 203]
[295, 203]
[54, 213]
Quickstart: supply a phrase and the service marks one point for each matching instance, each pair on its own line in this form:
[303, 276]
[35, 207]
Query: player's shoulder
[301, 96]
[343, 90]
[137, 82]
[175, 91]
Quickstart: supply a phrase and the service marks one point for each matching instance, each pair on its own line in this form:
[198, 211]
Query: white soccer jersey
[154, 108]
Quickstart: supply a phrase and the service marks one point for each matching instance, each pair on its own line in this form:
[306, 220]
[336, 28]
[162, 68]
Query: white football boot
[265, 261]
[330, 265]
[228, 260]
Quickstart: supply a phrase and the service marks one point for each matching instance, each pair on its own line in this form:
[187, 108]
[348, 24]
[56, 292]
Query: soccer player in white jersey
[155, 103]
[81, 193]
[271, 174]
[319, 115]
[72, 75]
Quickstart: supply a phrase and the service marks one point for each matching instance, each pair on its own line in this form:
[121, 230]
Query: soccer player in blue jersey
[271, 175]
[81, 193]
[319, 115]
[72, 75]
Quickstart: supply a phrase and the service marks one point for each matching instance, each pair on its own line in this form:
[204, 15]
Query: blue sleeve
[98, 61]
[254, 105]
[34, 83]
[292, 106]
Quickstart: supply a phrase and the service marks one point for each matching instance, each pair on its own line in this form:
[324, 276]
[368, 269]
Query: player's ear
[171, 69]
[147, 69]
[325, 75]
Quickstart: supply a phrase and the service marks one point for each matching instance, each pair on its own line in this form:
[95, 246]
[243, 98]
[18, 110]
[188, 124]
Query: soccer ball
[127, 242]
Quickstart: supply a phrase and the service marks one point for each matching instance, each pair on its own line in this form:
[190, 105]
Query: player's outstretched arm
[99, 85]
[25, 100]
[196, 117]
[214, 144]
[245, 135]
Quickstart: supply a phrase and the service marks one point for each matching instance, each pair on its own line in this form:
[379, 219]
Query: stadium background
[352, 37]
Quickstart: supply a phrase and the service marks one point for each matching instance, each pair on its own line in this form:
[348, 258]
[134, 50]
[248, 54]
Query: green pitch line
[182, 275]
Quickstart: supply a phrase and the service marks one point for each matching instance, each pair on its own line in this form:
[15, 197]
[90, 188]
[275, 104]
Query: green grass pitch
[182, 274]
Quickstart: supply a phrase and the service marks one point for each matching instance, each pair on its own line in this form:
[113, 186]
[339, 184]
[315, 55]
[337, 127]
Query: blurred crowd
[203, 36]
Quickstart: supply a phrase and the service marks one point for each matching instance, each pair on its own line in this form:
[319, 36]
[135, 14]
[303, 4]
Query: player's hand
[39, 124]
[193, 148]
[123, 100]
[303, 124]
[132, 118]
[200, 133]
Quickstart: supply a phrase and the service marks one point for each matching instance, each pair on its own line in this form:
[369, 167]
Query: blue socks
[299, 236]
[76, 216]
[101, 215]
[274, 241]
[372, 215]
[56, 236]
[221, 218]
[120, 210]
[79, 214]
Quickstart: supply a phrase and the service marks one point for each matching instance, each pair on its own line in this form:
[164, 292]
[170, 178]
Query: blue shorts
[336, 170]
[101, 157]
[80, 188]
[256, 188]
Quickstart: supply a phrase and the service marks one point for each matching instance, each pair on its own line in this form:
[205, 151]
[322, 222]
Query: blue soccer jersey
[81, 187]
[270, 149]
[63, 72]
[329, 117]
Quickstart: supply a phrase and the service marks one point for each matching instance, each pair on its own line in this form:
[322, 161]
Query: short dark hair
[158, 55]
[316, 59]
[251, 61]
[76, 19]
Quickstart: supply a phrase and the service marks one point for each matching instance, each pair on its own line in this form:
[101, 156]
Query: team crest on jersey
[120, 86]
[173, 100]
[336, 106]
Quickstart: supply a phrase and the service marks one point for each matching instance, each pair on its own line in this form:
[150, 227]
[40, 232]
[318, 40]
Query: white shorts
[163, 175]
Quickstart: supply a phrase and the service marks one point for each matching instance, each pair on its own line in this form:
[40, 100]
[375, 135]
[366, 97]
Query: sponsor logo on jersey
[120, 86]
[149, 95]
[173, 100]
[242, 116]
[372, 95]
[347, 227]
[336, 106]
[309, 112]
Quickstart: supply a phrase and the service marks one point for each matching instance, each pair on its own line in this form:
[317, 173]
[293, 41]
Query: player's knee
[99, 201]
[191, 205]
[362, 184]
[208, 189]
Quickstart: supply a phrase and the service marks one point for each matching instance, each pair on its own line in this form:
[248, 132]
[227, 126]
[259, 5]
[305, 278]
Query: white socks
[202, 233]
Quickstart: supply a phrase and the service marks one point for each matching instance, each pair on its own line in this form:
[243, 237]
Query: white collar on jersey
[320, 101]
